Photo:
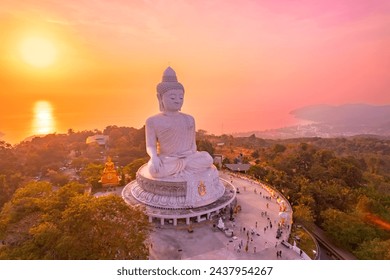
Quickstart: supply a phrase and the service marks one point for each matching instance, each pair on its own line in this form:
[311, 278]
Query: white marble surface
[174, 159]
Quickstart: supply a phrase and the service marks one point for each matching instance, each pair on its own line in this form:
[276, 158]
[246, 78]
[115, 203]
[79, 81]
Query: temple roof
[100, 139]
[238, 167]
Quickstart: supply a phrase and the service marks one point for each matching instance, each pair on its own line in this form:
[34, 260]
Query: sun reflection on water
[43, 122]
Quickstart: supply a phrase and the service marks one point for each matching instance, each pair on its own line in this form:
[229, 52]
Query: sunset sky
[244, 64]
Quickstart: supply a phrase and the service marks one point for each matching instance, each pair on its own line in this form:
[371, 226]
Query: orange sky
[244, 64]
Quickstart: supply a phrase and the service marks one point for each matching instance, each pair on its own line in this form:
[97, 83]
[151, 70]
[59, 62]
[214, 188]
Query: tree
[278, 148]
[57, 178]
[4, 190]
[27, 201]
[255, 154]
[205, 145]
[102, 228]
[303, 214]
[347, 230]
[79, 162]
[226, 160]
[244, 159]
[92, 174]
[257, 171]
[346, 170]
[8, 185]
[375, 249]
[132, 168]
[40, 223]
[201, 134]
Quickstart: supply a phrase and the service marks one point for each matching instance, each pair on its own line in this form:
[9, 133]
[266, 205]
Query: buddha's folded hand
[156, 163]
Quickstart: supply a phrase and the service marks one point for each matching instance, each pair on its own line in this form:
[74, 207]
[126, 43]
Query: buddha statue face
[170, 92]
[172, 100]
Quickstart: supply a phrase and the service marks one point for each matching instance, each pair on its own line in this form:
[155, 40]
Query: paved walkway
[207, 242]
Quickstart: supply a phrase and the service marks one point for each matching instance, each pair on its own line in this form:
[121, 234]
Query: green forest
[341, 185]
[47, 210]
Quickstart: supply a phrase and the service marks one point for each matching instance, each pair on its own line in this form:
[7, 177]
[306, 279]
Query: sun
[39, 52]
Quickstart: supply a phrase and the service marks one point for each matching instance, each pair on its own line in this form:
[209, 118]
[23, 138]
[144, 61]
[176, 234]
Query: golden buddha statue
[110, 176]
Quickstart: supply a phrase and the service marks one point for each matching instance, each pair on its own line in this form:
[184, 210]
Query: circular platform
[200, 213]
[178, 192]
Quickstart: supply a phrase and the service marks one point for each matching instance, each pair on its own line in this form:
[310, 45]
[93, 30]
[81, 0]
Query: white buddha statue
[177, 176]
[170, 135]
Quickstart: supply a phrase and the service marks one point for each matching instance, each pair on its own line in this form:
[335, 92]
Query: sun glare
[38, 51]
[43, 118]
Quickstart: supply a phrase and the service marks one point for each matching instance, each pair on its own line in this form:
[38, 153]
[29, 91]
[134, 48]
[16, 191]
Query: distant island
[333, 121]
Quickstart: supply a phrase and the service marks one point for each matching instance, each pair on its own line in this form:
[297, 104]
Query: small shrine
[110, 176]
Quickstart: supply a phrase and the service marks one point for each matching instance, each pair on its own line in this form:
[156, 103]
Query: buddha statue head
[170, 92]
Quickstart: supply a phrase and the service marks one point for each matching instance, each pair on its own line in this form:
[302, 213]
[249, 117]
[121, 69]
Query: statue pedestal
[198, 190]
[160, 206]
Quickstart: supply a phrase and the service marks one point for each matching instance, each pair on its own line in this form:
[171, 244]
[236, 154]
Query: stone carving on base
[202, 188]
